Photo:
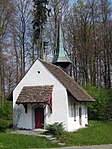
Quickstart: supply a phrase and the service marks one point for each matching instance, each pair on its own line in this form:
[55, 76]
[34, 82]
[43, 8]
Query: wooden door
[39, 117]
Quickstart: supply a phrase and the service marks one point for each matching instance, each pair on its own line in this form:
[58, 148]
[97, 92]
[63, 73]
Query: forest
[28, 30]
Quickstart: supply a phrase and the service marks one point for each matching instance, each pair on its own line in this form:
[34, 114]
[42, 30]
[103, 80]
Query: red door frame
[39, 117]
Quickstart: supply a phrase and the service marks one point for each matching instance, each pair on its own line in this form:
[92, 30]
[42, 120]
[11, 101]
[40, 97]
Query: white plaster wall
[59, 107]
[84, 115]
[59, 96]
[74, 122]
[24, 117]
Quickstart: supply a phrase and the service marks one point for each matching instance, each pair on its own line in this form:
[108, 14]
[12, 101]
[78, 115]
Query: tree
[88, 31]
[23, 20]
[40, 18]
[7, 9]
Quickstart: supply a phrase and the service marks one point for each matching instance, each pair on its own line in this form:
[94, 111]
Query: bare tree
[88, 31]
[23, 20]
[6, 10]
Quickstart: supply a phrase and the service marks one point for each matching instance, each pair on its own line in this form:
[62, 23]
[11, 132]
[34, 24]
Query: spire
[61, 58]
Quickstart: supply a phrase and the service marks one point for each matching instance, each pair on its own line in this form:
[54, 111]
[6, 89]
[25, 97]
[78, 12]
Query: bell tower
[61, 58]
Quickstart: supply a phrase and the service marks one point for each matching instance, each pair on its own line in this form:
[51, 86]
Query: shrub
[6, 111]
[101, 109]
[3, 124]
[6, 115]
[55, 129]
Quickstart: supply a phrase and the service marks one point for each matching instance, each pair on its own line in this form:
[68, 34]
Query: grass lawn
[14, 141]
[97, 133]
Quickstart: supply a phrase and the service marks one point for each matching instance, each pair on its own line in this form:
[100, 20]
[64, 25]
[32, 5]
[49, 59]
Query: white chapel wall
[73, 117]
[39, 75]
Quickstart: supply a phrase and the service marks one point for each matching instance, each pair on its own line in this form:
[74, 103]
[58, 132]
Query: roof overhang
[90, 99]
[35, 94]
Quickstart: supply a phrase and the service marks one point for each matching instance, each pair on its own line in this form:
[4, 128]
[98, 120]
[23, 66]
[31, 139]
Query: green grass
[97, 133]
[12, 141]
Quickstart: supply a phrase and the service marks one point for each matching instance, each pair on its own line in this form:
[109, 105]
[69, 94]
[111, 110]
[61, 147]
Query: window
[72, 110]
[86, 112]
[75, 110]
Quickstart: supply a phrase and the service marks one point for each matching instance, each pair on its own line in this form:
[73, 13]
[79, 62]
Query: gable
[37, 75]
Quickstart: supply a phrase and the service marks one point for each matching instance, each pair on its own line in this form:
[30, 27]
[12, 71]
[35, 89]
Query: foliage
[17, 141]
[101, 109]
[55, 129]
[6, 115]
[4, 124]
[40, 16]
[6, 110]
[97, 133]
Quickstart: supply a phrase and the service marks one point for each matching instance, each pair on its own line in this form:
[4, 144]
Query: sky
[71, 1]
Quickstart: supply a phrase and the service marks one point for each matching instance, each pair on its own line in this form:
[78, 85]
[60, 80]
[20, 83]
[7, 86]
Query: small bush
[3, 124]
[6, 110]
[6, 115]
[55, 129]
